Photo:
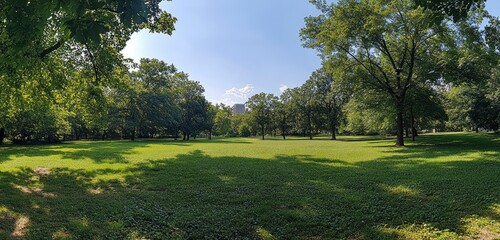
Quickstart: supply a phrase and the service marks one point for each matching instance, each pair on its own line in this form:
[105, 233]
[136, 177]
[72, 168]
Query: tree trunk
[187, 136]
[310, 126]
[183, 136]
[283, 133]
[263, 133]
[412, 123]
[210, 134]
[132, 137]
[407, 132]
[334, 130]
[400, 127]
[333, 127]
[2, 135]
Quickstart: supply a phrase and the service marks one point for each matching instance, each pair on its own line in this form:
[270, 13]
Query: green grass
[443, 186]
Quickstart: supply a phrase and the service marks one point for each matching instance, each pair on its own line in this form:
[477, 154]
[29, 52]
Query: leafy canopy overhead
[53, 23]
[458, 9]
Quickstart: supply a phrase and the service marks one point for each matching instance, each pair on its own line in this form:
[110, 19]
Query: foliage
[261, 106]
[52, 25]
[222, 120]
[458, 9]
[383, 39]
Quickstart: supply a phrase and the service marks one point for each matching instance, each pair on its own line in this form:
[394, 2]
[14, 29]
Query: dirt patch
[14, 224]
[20, 226]
[485, 234]
[96, 191]
[42, 172]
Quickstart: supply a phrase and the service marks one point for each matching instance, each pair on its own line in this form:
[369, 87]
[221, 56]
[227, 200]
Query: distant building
[238, 109]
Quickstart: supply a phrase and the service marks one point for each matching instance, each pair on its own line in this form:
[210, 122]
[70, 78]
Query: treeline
[399, 56]
[324, 105]
[154, 100]
[389, 67]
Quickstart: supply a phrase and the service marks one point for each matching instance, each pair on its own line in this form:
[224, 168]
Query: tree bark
[210, 134]
[2, 135]
[310, 126]
[263, 133]
[412, 123]
[334, 129]
[400, 127]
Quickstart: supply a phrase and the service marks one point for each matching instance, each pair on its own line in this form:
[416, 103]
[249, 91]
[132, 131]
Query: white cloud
[226, 101]
[242, 93]
[283, 88]
[235, 95]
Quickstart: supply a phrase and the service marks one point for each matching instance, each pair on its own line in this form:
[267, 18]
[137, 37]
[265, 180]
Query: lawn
[443, 186]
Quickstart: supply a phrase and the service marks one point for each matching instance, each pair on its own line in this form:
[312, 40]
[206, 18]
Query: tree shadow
[198, 196]
[103, 152]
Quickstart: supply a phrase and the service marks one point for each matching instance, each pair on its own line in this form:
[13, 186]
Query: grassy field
[443, 186]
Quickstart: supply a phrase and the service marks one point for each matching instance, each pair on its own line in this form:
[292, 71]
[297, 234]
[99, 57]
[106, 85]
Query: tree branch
[50, 49]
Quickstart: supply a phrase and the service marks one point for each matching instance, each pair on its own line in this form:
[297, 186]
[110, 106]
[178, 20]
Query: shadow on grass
[328, 138]
[98, 151]
[197, 196]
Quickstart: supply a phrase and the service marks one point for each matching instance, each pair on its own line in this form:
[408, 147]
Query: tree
[369, 112]
[471, 67]
[425, 110]
[155, 80]
[210, 123]
[193, 105]
[383, 38]
[222, 120]
[283, 112]
[332, 94]
[56, 24]
[305, 101]
[261, 106]
[243, 125]
[67, 36]
[458, 9]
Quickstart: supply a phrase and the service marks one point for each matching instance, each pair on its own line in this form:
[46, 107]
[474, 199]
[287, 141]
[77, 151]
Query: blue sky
[236, 48]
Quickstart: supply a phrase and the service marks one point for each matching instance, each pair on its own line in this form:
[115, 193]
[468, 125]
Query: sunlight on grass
[418, 232]
[227, 179]
[264, 234]
[444, 186]
[401, 190]
[61, 234]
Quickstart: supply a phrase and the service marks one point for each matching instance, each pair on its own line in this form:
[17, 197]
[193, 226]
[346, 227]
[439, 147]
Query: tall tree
[307, 105]
[261, 106]
[331, 94]
[193, 105]
[384, 38]
[222, 120]
[284, 111]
